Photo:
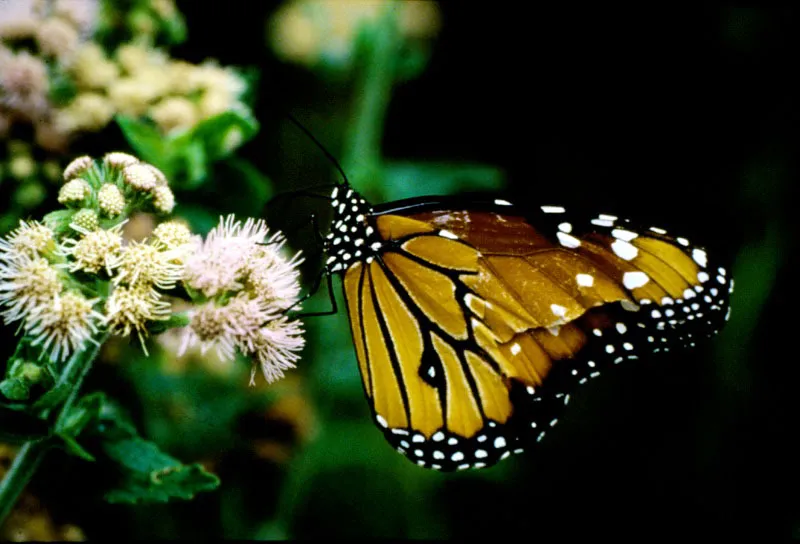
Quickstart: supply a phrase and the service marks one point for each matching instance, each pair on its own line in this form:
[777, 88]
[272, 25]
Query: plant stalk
[31, 453]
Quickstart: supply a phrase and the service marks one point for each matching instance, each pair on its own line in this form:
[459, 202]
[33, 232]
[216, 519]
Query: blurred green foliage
[666, 117]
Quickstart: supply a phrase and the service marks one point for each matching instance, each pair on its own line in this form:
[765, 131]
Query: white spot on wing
[381, 421]
[602, 222]
[565, 227]
[632, 280]
[700, 257]
[622, 234]
[658, 230]
[502, 202]
[585, 280]
[448, 234]
[624, 250]
[567, 240]
[558, 310]
[553, 209]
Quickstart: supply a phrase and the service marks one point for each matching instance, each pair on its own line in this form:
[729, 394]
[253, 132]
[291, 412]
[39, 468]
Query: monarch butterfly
[473, 322]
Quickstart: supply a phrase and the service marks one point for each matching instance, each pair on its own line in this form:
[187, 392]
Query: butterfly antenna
[321, 147]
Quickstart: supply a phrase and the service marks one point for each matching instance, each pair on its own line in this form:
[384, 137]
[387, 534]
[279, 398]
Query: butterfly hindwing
[472, 326]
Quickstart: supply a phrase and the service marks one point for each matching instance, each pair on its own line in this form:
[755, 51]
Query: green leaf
[58, 221]
[15, 389]
[144, 473]
[408, 179]
[194, 160]
[224, 133]
[174, 28]
[176, 320]
[74, 448]
[54, 397]
[147, 142]
[79, 415]
[150, 475]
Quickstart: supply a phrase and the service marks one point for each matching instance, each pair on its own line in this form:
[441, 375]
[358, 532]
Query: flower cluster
[246, 285]
[47, 43]
[49, 271]
[37, 37]
[317, 31]
[72, 275]
[137, 80]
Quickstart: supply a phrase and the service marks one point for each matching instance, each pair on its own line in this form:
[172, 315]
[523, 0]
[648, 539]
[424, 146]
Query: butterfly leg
[318, 281]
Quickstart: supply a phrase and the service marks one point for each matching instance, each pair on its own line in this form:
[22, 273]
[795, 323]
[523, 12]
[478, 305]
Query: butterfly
[474, 321]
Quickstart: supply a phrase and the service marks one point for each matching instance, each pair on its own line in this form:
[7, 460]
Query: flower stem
[31, 453]
[363, 148]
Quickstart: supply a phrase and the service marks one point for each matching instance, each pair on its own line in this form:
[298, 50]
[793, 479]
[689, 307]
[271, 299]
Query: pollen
[75, 191]
[110, 200]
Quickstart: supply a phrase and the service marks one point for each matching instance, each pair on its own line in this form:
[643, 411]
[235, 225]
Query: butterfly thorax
[351, 237]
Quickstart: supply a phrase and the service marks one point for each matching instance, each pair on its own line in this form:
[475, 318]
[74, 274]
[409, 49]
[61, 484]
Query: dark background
[685, 117]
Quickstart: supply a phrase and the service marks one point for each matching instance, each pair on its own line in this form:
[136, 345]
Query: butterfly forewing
[472, 326]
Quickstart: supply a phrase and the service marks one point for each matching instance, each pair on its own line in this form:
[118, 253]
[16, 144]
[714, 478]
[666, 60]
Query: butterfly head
[351, 237]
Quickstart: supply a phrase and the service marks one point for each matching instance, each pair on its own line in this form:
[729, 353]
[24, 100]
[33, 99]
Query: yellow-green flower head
[78, 167]
[75, 191]
[118, 159]
[111, 200]
[88, 111]
[172, 234]
[163, 199]
[65, 325]
[31, 239]
[28, 286]
[129, 309]
[85, 221]
[161, 179]
[174, 113]
[140, 177]
[57, 38]
[143, 264]
[95, 250]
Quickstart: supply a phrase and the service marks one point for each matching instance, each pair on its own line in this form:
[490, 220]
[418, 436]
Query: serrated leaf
[150, 475]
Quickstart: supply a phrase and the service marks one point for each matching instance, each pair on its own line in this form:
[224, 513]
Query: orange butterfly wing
[472, 327]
